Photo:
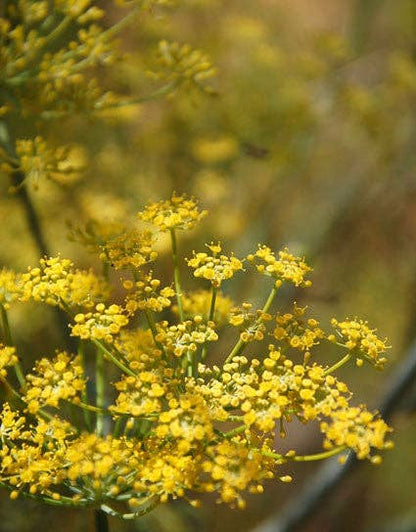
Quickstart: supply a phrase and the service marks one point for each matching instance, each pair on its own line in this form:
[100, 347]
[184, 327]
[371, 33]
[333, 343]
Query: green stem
[155, 95]
[340, 363]
[152, 326]
[270, 300]
[113, 359]
[87, 416]
[176, 274]
[213, 301]
[134, 515]
[100, 391]
[190, 366]
[101, 521]
[9, 341]
[235, 431]
[306, 457]
[210, 317]
[91, 408]
[121, 24]
[239, 346]
[62, 501]
[118, 427]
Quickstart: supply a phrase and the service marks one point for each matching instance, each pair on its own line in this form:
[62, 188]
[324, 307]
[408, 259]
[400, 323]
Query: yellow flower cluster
[181, 65]
[163, 420]
[10, 287]
[357, 429]
[11, 424]
[234, 467]
[130, 249]
[103, 324]
[180, 212]
[185, 337]
[188, 421]
[358, 338]
[8, 358]
[138, 347]
[297, 332]
[140, 396]
[199, 301]
[56, 282]
[215, 268]
[61, 378]
[148, 294]
[53, 82]
[36, 160]
[286, 268]
[167, 472]
[251, 322]
[32, 455]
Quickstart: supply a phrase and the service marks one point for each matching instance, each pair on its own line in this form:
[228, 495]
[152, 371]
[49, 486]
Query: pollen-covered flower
[180, 212]
[10, 287]
[285, 268]
[147, 294]
[232, 467]
[298, 332]
[188, 420]
[199, 301]
[103, 324]
[358, 338]
[100, 463]
[186, 336]
[8, 358]
[215, 268]
[250, 322]
[130, 249]
[11, 423]
[358, 429]
[56, 282]
[138, 347]
[141, 395]
[61, 378]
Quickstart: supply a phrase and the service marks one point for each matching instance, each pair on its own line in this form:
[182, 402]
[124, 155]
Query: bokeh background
[308, 138]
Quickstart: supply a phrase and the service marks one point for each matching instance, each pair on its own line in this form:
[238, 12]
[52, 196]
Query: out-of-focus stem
[101, 521]
[306, 457]
[100, 391]
[9, 341]
[87, 415]
[176, 273]
[152, 326]
[212, 306]
[210, 317]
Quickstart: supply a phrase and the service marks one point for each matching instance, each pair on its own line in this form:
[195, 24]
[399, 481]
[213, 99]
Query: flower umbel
[160, 418]
[180, 212]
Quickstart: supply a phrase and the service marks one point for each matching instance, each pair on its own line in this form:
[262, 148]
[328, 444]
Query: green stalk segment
[176, 274]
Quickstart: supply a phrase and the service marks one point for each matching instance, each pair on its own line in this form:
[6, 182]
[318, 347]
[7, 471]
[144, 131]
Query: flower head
[215, 268]
[358, 338]
[285, 268]
[180, 212]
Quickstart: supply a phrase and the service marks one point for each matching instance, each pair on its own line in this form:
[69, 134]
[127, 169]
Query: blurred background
[307, 139]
